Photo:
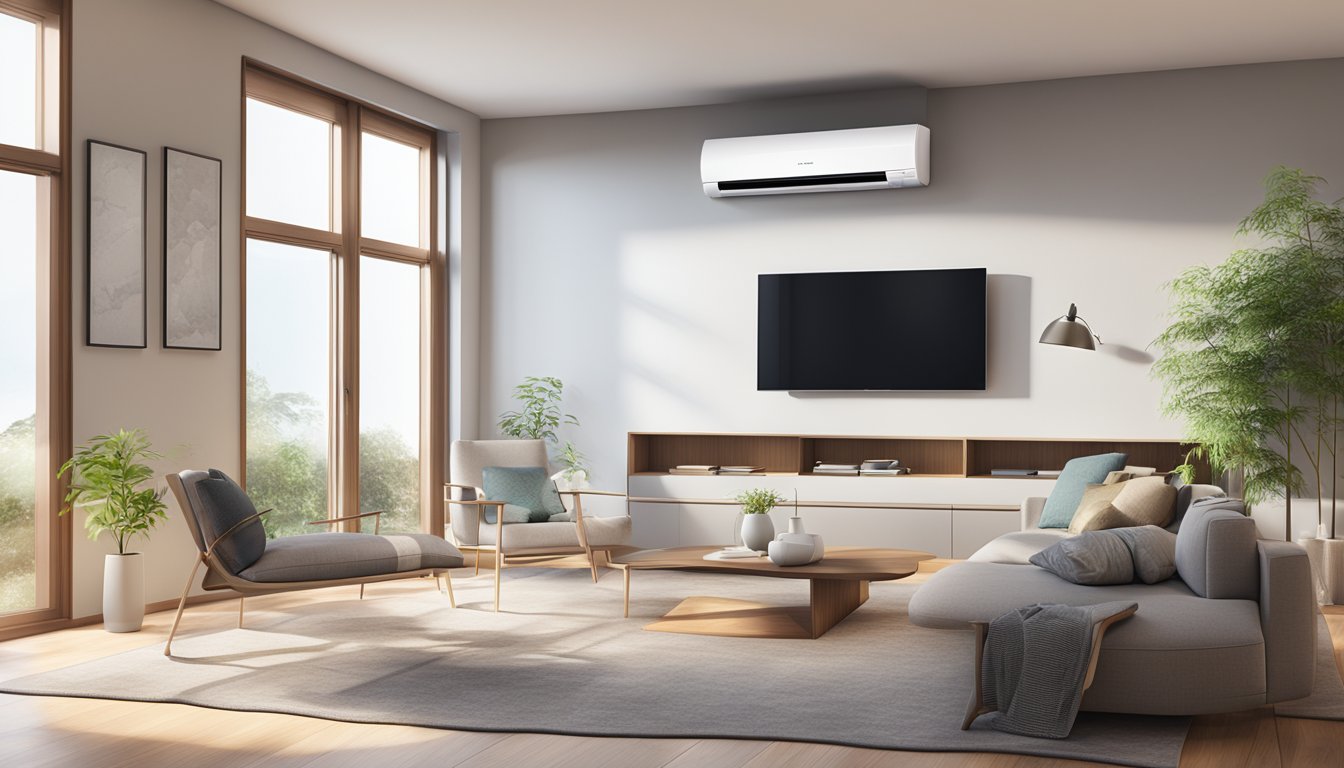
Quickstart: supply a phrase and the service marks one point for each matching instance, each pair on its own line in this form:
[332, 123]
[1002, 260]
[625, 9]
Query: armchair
[465, 502]
[232, 546]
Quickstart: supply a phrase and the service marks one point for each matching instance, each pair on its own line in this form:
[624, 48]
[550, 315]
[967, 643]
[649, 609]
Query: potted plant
[107, 475]
[1254, 357]
[574, 472]
[757, 528]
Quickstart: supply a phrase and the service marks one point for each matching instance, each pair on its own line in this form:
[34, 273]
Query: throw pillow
[1118, 476]
[1153, 549]
[1095, 499]
[1095, 557]
[225, 505]
[1100, 518]
[530, 488]
[1147, 501]
[1073, 480]
[512, 514]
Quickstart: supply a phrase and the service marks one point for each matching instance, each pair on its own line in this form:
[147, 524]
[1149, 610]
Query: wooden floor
[43, 731]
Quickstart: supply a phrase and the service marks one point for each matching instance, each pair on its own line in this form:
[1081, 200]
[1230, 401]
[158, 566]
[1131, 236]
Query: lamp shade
[1069, 331]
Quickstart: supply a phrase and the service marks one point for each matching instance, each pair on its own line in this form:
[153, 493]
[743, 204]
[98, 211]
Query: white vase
[757, 532]
[1316, 553]
[124, 592]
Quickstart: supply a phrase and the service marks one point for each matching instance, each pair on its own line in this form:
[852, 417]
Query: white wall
[607, 266]
[149, 73]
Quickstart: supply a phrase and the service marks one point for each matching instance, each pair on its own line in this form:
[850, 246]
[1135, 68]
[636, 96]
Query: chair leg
[448, 580]
[478, 563]
[592, 564]
[499, 565]
[240, 612]
[361, 591]
[181, 606]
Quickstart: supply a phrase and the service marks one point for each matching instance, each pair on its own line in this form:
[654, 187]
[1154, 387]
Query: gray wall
[149, 73]
[607, 266]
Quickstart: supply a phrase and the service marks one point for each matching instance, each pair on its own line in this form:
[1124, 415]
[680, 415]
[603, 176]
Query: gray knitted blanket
[1034, 665]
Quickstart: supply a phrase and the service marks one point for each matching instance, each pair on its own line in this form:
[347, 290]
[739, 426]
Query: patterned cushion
[225, 505]
[1073, 480]
[530, 488]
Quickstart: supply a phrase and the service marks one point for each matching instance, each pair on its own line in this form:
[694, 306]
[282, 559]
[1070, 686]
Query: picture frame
[192, 250]
[115, 281]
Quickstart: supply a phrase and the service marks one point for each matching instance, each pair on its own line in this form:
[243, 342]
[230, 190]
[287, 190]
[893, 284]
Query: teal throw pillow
[528, 488]
[1073, 480]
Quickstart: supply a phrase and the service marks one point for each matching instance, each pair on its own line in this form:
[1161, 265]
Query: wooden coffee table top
[843, 563]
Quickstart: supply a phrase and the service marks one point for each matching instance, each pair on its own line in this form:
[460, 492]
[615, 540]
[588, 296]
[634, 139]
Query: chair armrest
[332, 520]
[480, 493]
[1287, 620]
[591, 492]
[210, 550]
[1032, 506]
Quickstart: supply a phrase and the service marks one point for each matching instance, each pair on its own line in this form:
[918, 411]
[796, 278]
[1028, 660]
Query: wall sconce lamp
[1070, 331]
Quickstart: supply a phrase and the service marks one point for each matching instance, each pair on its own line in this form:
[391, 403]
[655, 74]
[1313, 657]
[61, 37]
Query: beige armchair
[465, 502]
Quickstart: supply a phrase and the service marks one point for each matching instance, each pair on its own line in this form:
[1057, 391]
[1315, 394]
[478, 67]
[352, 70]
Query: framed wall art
[191, 250]
[114, 286]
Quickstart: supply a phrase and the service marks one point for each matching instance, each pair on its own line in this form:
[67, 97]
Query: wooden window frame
[50, 162]
[350, 118]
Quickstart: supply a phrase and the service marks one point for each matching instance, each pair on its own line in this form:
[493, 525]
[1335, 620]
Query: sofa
[1234, 629]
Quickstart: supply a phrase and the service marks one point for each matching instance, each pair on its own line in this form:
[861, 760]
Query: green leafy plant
[1254, 357]
[106, 475]
[539, 415]
[757, 501]
[572, 459]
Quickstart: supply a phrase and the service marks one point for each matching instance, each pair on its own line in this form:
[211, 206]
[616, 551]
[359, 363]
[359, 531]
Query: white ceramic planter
[124, 592]
[757, 532]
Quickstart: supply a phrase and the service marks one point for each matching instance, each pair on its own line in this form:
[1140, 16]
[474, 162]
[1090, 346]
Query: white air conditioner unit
[886, 157]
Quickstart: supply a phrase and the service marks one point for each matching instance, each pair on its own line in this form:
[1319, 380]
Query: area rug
[560, 659]
[1326, 701]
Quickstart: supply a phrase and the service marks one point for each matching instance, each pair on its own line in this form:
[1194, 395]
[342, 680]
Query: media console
[949, 505]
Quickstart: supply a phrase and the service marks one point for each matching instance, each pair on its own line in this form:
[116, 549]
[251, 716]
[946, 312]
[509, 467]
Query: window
[34, 313]
[341, 347]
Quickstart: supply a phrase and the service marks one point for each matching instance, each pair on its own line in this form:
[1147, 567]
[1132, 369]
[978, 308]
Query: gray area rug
[562, 660]
[1326, 701]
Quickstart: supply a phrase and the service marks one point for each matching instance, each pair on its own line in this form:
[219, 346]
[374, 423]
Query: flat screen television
[889, 330]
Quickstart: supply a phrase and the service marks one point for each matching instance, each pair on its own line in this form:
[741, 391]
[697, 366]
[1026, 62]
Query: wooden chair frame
[217, 575]
[481, 501]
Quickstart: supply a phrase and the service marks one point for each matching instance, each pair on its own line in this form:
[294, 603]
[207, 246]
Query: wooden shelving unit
[962, 457]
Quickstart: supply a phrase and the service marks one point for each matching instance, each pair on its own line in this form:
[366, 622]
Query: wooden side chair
[465, 504]
[233, 547]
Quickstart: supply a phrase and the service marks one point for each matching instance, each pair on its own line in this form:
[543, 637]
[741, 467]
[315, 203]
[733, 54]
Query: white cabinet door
[974, 528]
[714, 524]
[654, 526]
[925, 530]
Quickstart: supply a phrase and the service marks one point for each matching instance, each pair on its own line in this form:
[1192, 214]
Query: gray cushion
[1153, 550]
[327, 556]
[528, 487]
[1180, 654]
[1093, 557]
[1215, 551]
[1073, 480]
[224, 504]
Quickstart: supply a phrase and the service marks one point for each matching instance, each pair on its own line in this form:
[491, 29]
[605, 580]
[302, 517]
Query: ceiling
[511, 58]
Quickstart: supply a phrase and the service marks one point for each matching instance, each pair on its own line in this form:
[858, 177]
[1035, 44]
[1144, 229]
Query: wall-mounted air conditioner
[886, 157]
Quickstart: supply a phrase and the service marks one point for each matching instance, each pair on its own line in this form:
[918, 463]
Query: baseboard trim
[52, 625]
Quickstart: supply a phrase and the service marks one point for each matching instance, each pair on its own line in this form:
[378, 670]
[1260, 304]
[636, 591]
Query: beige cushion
[1147, 501]
[1140, 471]
[1095, 498]
[602, 532]
[1102, 518]
[1117, 476]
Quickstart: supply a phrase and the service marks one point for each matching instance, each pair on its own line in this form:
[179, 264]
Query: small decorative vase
[1316, 554]
[124, 592]
[757, 532]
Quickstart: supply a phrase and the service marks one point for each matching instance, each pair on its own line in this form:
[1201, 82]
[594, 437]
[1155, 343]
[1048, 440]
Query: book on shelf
[880, 464]
[741, 470]
[821, 471]
[894, 471]
[1012, 472]
[694, 469]
[828, 465]
[1048, 472]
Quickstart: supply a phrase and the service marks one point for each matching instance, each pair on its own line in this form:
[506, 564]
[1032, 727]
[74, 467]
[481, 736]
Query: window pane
[288, 392]
[390, 190]
[18, 392]
[288, 166]
[389, 385]
[18, 81]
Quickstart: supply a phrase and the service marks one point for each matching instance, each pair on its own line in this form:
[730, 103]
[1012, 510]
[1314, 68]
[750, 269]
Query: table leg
[626, 569]
[833, 600]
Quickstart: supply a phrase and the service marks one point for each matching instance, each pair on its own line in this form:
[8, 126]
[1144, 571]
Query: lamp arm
[1085, 323]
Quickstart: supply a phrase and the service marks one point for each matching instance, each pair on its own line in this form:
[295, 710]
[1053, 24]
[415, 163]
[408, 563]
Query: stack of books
[694, 469]
[741, 470]
[882, 467]
[823, 468]
[1012, 472]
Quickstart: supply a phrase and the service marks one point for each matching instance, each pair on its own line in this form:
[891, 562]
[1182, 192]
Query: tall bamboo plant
[1254, 357]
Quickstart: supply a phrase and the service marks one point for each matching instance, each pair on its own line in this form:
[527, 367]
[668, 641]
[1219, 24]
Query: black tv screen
[889, 330]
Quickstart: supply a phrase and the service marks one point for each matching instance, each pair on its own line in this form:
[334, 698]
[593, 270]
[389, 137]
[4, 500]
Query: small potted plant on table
[757, 528]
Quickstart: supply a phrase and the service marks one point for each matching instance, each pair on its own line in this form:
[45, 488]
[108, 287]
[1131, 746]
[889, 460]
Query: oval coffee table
[838, 585]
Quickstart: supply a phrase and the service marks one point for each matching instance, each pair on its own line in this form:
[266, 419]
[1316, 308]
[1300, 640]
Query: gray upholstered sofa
[1234, 629]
